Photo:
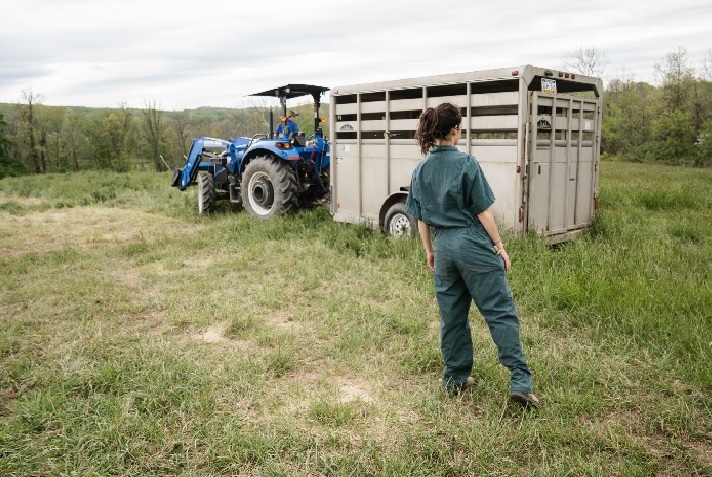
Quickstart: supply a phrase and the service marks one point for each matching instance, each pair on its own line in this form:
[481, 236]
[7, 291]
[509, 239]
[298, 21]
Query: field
[139, 339]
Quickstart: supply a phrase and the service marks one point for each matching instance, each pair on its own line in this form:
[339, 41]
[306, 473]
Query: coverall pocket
[443, 261]
[477, 255]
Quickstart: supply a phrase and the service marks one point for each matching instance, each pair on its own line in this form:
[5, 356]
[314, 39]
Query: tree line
[670, 122]
[35, 138]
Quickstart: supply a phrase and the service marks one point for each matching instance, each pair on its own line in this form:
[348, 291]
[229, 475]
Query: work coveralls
[447, 191]
[285, 129]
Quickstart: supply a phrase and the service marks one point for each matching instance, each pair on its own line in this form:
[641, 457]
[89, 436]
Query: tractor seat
[299, 139]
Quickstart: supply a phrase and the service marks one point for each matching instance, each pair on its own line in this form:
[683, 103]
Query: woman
[449, 193]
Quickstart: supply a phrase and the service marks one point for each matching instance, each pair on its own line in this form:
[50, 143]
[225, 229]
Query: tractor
[266, 175]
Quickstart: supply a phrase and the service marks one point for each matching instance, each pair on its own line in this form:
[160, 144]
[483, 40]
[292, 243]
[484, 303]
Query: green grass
[138, 338]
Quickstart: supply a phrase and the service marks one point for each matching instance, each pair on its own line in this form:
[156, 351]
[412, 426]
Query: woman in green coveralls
[450, 194]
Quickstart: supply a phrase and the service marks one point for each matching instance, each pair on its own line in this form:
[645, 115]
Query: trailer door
[562, 164]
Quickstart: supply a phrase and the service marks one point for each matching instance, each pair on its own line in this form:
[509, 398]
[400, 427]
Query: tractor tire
[206, 193]
[399, 223]
[269, 187]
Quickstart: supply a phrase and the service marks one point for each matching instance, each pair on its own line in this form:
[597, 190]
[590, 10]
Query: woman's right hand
[507, 261]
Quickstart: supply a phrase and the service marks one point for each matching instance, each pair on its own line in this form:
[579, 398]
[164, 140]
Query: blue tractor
[267, 176]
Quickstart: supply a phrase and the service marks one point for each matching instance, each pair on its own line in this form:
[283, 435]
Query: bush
[674, 139]
[704, 145]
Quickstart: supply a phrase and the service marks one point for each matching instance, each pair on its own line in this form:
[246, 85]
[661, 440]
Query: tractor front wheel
[269, 187]
[206, 193]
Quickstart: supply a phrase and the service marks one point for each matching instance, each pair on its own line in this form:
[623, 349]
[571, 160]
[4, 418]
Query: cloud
[103, 53]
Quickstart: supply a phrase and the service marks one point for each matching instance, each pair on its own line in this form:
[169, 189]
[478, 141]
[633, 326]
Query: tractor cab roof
[290, 91]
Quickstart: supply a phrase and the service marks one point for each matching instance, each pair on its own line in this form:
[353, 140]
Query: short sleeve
[476, 190]
[412, 203]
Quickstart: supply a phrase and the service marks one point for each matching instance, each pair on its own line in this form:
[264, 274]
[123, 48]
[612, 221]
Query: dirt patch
[214, 334]
[283, 321]
[631, 424]
[351, 390]
[84, 227]
[23, 201]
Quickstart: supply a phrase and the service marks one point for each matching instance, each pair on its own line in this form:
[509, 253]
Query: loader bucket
[175, 182]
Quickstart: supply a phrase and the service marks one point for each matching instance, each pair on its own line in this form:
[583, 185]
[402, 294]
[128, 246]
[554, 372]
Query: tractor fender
[269, 151]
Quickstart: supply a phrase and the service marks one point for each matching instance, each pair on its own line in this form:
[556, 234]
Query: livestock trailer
[536, 133]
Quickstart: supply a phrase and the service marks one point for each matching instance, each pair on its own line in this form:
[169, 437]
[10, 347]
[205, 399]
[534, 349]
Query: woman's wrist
[498, 248]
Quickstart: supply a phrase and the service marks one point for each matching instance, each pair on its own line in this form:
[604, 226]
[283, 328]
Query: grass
[138, 338]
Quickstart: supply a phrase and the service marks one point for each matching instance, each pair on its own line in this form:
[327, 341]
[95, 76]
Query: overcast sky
[104, 53]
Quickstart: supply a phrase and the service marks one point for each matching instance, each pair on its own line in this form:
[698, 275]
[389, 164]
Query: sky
[178, 55]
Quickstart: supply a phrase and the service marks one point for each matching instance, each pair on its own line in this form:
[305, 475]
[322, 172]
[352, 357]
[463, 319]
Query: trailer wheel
[399, 223]
[206, 193]
[269, 187]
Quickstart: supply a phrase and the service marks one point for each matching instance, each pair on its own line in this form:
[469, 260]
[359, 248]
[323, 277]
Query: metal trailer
[534, 131]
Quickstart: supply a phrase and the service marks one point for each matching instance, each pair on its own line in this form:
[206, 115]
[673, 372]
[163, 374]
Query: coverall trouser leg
[457, 284]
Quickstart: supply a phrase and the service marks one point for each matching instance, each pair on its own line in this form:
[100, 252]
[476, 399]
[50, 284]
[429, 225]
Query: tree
[589, 61]
[73, 134]
[685, 99]
[707, 66]
[9, 166]
[113, 139]
[628, 119]
[51, 137]
[179, 141]
[674, 138]
[676, 77]
[704, 145]
[28, 130]
[154, 131]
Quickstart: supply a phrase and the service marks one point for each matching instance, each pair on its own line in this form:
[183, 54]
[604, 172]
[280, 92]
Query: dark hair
[436, 123]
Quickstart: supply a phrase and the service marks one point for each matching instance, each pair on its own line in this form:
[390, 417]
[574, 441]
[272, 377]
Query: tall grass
[139, 338]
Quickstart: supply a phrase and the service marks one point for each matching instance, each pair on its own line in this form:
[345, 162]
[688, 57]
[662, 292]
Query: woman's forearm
[487, 220]
[424, 231]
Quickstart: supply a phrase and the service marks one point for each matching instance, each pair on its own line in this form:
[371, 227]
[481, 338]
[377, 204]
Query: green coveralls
[447, 191]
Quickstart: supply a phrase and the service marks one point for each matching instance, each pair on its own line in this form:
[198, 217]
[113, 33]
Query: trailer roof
[528, 72]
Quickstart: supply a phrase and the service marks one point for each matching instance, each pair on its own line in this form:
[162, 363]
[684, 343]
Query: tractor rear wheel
[269, 187]
[399, 223]
[206, 193]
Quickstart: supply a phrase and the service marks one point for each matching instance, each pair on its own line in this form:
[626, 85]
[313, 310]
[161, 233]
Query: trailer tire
[269, 187]
[399, 223]
[206, 193]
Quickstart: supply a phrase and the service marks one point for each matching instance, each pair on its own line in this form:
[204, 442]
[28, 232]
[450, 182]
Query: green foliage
[664, 124]
[627, 120]
[61, 138]
[9, 166]
[704, 145]
[674, 138]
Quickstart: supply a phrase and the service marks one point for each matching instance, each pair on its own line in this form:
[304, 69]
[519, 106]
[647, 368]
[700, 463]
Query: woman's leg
[493, 297]
[455, 335]
[454, 302]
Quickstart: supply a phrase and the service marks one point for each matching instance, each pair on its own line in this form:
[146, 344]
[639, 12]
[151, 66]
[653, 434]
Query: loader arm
[182, 178]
